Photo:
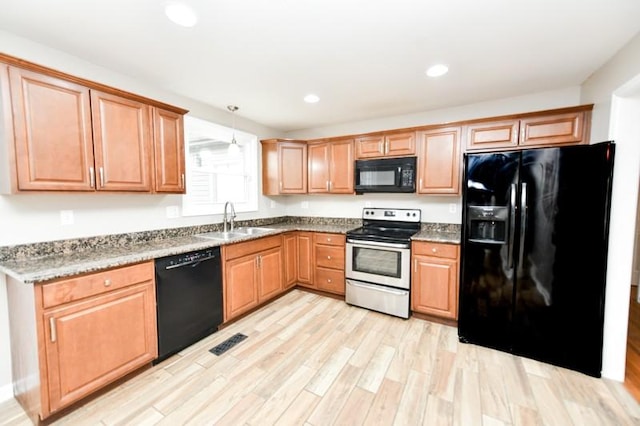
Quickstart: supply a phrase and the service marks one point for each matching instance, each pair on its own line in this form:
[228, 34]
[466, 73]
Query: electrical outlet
[172, 212]
[304, 205]
[367, 203]
[66, 217]
[453, 208]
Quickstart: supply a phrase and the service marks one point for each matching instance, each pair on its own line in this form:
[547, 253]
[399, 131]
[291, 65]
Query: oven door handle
[361, 243]
[378, 288]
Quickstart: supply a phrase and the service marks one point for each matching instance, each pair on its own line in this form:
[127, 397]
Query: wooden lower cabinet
[290, 247]
[305, 259]
[329, 260]
[89, 331]
[434, 287]
[252, 274]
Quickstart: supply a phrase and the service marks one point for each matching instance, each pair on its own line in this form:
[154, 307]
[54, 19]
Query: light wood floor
[312, 360]
[632, 370]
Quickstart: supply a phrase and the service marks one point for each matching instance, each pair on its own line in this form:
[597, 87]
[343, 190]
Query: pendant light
[234, 148]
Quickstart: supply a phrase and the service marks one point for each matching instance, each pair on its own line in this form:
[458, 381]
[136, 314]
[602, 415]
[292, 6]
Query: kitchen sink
[248, 230]
[236, 233]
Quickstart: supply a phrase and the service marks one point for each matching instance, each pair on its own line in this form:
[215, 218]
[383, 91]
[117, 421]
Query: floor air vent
[228, 344]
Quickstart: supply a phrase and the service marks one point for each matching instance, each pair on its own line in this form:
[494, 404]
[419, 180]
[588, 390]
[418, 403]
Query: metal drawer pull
[107, 282]
[329, 280]
[52, 328]
[329, 257]
[434, 249]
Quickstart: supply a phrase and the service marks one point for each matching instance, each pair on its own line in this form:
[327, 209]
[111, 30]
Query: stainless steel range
[378, 260]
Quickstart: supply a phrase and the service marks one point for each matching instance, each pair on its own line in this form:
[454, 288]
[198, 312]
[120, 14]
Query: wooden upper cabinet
[569, 126]
[499, 134]
[318, 168]
[63, 133]
[168, 149]
[439, 161]
[553, 130]
[122, 143]
[331, 167]
[388, 145]
[284, 167]
[52, 128]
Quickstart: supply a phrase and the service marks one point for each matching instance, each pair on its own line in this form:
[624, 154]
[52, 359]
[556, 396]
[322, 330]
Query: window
[214, 175]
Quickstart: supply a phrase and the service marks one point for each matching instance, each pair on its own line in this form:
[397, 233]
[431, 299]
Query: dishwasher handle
[192, 263]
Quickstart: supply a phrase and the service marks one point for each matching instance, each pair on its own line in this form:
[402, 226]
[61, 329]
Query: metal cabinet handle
[183, 185]
[380, 148]
[101, 170]
[434, 250]
[329, 280]
[386, 147]
[107, 282]
[52, 329]
[329, 257]
[92, 177]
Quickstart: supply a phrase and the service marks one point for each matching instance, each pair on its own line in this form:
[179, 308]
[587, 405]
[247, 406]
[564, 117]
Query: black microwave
[385, 175]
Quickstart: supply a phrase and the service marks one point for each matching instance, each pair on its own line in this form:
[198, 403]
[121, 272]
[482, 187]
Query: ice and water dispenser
[488, 224]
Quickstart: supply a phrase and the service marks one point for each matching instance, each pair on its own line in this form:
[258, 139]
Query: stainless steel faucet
[232, 215]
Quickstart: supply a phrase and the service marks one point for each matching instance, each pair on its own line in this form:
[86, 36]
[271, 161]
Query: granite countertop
[72, 257]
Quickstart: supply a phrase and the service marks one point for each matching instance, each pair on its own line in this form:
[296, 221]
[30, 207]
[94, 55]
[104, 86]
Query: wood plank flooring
[632, 369]
[311, 360]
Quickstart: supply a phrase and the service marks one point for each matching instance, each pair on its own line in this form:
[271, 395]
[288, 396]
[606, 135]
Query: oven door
[378, 263]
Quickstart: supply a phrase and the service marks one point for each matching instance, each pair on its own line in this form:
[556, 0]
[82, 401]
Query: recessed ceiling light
[180, 13]
[311, 98]
[437, 70]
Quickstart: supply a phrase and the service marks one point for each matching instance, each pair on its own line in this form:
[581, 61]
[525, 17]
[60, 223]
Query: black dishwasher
[188, 299]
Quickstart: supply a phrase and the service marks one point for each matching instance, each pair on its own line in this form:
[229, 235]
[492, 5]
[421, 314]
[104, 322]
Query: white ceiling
[364, 58]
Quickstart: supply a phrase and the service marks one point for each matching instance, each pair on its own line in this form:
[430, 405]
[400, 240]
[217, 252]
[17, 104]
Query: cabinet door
[52, 127]
[168, 150]
[270, 273]
[434, 290]
[439, 161]
[96, 341]
[400, 144]
[369, 147]
[305, 264]
[492, 135]
[122, 142]
[292, 166]
[240, 286]
[341, 167]
[318, 168]
[290, 244]
[552, 130]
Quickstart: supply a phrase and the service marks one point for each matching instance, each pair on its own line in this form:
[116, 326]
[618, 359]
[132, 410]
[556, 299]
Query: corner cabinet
[252, 274]
[331, 167]
[91, 330]
[439, 161]
[434, 286]
[569, 126]
[63, 133]
[284, 167]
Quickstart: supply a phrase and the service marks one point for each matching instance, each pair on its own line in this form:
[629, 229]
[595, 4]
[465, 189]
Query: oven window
[378, 177]
[377, 261]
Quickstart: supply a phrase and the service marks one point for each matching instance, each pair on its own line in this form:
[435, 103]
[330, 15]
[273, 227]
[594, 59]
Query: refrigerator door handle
[512, 224]
[523, 223]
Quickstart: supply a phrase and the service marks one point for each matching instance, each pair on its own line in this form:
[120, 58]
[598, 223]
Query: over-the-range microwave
[385, 175]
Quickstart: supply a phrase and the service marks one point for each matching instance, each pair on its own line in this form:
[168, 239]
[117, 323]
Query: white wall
[615, 91]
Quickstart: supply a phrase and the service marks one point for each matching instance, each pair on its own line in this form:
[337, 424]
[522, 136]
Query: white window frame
[196, 129]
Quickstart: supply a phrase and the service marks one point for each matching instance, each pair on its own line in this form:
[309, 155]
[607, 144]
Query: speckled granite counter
[45, 261]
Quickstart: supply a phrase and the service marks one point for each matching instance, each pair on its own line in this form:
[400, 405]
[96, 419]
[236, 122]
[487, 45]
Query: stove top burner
[387, 225]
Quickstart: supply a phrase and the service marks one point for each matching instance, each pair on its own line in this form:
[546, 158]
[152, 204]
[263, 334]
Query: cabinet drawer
[331, 280]
[435, 249]
[67, 290]
[330, 256]
[233, 251]
[329, 239]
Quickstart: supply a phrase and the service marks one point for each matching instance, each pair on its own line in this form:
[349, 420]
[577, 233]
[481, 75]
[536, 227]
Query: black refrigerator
[534, 253]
